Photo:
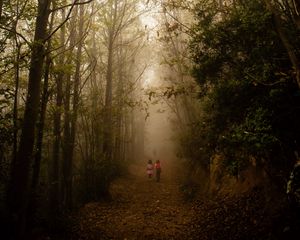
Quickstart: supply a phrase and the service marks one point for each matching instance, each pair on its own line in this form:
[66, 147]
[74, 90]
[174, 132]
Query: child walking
[149, 168]
[158, 170]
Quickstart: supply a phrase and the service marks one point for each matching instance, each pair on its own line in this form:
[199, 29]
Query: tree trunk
[69, 160]
[285, 41]
[1, 6]
[66, 139]
[67, 142]
[54, 178]
[39, 144]
[40, 135]
[93, 131]
[132, 135]
[16, 98]
[18, 195]
[127, 125]
[107, 139]
[297, 7]
[119, 112]
[294, 7]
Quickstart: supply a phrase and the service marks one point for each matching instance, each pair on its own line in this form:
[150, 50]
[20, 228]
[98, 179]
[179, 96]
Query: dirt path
[141, 209]
[144, 209]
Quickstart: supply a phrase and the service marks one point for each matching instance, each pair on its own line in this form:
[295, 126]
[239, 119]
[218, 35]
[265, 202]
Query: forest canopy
[248, 82]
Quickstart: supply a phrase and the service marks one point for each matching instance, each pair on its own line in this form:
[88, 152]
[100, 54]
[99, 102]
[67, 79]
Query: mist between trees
[79, 79]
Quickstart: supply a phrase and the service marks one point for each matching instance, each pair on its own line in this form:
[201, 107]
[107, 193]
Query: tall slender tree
[75, 104]
[1, 6]
[54, 176]
[19, 189]
[107, 144]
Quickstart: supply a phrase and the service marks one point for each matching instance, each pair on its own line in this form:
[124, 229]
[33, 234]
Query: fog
[159, 133]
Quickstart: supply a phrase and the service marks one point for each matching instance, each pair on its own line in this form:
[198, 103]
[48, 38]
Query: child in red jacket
[158, 170]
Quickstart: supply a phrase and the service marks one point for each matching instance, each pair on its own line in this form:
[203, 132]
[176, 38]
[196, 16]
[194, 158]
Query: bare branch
[88, 77]
[185, 26]
[68, 15]
[61, 24]
[71, 5]
[15, 32]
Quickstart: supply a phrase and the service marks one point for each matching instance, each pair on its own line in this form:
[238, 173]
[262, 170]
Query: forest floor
[142, 208]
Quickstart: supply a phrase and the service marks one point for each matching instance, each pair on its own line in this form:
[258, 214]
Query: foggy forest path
[141, 209]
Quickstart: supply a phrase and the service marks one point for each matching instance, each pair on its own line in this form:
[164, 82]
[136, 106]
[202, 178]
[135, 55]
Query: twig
[71, 5]
[67, 17]
[17, 33]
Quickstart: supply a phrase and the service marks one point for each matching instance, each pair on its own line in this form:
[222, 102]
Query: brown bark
[18, 196]
[132, 135]
[40, 135]
[40, 128]
[69, 160]
[107, 140]
[127, 130]
[295, 9]
[1, 6]
[297, 6]
[33, 205]
[16, 96]
[92, 129]
[66, 139]
[54, 179]
[119, 112]
[67, 120]
[18, 47]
